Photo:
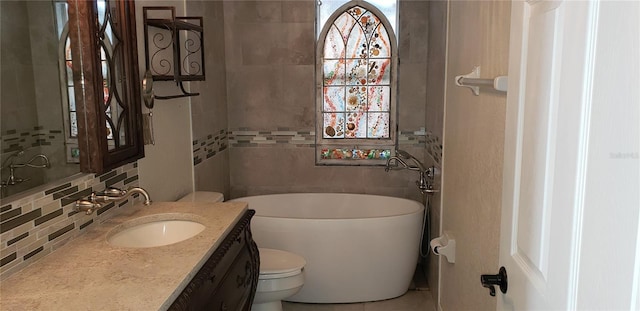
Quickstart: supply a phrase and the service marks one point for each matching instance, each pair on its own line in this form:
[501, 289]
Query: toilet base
[267, 306]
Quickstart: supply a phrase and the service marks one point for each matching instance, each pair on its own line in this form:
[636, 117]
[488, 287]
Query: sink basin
[154, 233]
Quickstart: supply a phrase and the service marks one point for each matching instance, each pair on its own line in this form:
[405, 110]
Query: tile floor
[413, 300]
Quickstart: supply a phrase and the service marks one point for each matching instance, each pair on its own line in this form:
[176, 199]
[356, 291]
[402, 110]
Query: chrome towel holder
[473, 81]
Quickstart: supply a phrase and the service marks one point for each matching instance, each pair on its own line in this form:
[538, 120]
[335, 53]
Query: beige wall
[473, 138]
[166, 170]
[209, 110]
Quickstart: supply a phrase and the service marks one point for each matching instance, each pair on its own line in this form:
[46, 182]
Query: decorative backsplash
[212, 144]
[281, 137]
[208, 146]
[34, 226]
[304, 138]
[434, 147]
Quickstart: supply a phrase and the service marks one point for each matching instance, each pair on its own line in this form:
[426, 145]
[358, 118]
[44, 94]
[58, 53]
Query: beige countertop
[89, 274]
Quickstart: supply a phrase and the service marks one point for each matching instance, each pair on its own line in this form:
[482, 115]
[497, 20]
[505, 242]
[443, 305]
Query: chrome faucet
[115, 194]
[86, 206]
[12, 179]
[96, 199]
[45, 162]
[425, 175]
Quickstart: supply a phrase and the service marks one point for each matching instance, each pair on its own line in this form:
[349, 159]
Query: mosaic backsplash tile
[34, 226]
[209, 146]
[434, 147]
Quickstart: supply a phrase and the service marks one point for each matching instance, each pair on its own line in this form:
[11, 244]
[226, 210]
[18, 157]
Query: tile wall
[270, 64]
[35, 225]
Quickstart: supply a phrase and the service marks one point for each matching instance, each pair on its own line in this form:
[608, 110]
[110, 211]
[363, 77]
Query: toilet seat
[276, 264]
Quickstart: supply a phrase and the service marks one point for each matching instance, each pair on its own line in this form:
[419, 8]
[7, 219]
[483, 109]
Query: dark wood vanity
[228, 279]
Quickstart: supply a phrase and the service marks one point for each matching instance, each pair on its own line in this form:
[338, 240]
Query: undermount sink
[154, 232]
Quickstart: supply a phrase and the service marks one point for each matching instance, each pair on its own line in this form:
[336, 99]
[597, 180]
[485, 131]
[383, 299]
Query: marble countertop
[89, 274]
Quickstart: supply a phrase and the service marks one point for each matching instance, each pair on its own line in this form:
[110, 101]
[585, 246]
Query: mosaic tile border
[281, 137]
[208, 146]
[36, 225]
[284, 137]
[434, 147]
[14, 140]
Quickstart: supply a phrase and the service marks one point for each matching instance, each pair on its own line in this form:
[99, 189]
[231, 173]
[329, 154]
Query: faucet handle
[86, 206]
[112, 192]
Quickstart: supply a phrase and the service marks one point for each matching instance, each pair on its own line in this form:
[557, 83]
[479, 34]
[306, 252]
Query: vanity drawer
[234, 292]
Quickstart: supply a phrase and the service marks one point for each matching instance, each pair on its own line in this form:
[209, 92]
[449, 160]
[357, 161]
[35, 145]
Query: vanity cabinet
[228, 279]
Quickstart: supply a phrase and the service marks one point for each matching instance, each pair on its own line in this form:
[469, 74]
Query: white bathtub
[357, 247]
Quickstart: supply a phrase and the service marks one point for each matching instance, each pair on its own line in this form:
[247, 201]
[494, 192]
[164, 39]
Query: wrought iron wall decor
[174, 48]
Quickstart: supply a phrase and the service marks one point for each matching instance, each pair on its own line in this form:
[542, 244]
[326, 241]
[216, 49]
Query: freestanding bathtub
[357, 247]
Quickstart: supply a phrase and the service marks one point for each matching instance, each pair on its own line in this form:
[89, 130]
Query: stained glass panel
[355, 154]
[72, 98]
[334, 45]
[378, 71]
[333, 72]
[380, 45]
[327, 7]
[356, 71]
[356, 44]
[362, 108]
[344, 23]
[357, 98]
[378, 125]
[334, 99]
[379, 98]
[356, 11]
[368, 21]
[69, 73]
[74, 124]
[356, 125]
[333, 125]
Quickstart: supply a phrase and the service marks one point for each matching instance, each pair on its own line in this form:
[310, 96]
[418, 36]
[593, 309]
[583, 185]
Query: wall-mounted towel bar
[473, 81]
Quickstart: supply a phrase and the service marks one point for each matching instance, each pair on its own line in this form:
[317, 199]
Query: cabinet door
[228, 280]
[110, 123]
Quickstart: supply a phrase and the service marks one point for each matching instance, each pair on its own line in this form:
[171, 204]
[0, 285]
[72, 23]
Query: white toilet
[281, 273]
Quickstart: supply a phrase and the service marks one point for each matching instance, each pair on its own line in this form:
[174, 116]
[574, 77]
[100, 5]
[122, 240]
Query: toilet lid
[274, 261]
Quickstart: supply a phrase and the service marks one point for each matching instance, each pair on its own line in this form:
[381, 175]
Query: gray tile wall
[270, 62]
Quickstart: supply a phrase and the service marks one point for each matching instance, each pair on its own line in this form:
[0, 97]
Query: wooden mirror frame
[95, 156]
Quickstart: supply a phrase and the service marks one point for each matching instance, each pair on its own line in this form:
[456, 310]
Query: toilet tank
[203, 196]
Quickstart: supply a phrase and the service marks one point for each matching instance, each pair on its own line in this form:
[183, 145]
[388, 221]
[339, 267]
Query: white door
[569, 232]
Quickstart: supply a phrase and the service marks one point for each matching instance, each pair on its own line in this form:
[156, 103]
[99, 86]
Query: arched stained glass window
[356, 74]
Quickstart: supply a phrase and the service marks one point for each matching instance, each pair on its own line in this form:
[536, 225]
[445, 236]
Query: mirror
[38, 123]
[49, 128]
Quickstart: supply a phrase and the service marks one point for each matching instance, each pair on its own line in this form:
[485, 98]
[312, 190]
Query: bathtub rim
[419, 210]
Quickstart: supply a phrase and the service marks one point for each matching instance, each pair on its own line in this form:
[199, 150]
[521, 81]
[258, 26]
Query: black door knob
[491, 280]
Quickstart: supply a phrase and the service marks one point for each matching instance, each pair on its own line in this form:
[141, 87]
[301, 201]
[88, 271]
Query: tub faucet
[424, 174]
